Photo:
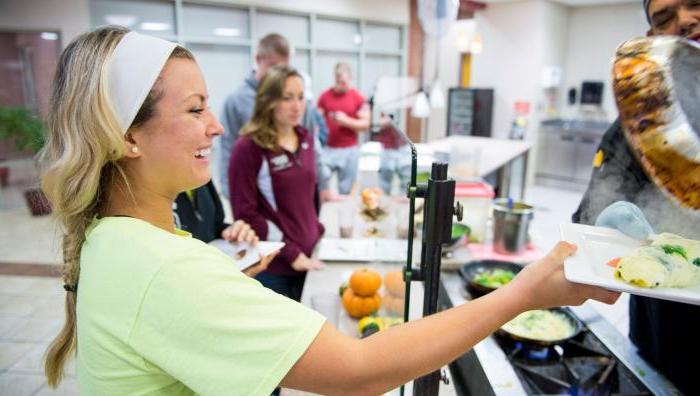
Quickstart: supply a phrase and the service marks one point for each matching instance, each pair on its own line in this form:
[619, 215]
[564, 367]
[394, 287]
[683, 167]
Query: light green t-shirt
[166, 314]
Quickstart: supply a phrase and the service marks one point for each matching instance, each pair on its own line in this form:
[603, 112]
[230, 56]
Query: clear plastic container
[476, 198]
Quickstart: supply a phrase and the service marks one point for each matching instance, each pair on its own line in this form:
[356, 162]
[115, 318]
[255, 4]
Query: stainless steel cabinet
[556, 153]
[566, 154]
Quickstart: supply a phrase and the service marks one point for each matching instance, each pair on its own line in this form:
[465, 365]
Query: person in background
[273, 49]
[347, 114]
[151, 310]
[273, 169]
[395, 157]
[200, 212]
[664, 331]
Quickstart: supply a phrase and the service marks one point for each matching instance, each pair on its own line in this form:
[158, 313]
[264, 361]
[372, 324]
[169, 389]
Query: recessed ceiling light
[49, 36]
[155, 26]
[227, 32]
[125, 20]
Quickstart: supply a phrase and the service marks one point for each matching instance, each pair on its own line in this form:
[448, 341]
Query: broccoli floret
[675, 249]
[696, 262]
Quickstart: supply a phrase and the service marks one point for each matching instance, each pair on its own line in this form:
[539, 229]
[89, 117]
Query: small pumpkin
[393, 281]
[359, 306]
[392, 304]
[365, 282]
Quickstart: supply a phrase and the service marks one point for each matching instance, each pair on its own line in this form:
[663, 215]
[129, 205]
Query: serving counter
[321, 293]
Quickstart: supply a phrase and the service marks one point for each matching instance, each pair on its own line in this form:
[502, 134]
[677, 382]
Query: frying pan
[470, 270]
[656, 81]
[533, 342]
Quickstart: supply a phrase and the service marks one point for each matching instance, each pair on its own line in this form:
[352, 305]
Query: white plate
[597, 246]
[248, 255]
[363, 249]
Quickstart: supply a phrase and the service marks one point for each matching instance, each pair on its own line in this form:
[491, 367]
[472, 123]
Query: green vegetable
[675, 249]
[696, 262]
[495, 278]
[458, 230]
[370, 329]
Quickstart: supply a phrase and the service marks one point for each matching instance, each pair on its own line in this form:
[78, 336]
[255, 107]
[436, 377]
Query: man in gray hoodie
[273, 49]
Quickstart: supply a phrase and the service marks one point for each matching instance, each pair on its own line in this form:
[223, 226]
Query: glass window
[294, 27]
[336, 34]
[324, 75]
[382, 38]
[156, 18]
[224, 68]
[214, 22]
[377, 66]
[302, 60]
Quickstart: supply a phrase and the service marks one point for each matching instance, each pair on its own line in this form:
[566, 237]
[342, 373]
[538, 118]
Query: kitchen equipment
[656, 87]
[469, 111]
[581, 365]
[470, 270]
[476, 198]
[537, 343]
[597, 361]
[511, 223]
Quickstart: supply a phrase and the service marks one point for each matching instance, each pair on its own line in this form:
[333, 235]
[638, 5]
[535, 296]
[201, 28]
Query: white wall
[519, 40]
[594, 34]
[69, 17]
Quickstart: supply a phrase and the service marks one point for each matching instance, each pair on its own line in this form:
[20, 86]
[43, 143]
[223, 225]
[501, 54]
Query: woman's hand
[542, 284]
[303, 263]
[261, 265]
[240, 231]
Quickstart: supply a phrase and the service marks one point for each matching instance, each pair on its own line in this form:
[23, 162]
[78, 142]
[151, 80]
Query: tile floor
[31, 307]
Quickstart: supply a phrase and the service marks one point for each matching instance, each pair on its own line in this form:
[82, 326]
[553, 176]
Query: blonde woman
[273, 172]
[152, 311]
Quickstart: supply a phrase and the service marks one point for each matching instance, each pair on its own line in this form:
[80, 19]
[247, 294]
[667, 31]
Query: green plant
[21, 126]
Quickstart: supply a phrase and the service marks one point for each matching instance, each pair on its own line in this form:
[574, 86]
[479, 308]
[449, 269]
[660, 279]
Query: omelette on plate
[670, 261]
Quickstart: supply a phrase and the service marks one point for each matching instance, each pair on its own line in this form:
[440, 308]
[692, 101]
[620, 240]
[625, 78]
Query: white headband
[132, 70]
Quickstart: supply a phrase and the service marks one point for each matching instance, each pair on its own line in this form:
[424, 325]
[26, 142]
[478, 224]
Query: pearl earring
[134, 149]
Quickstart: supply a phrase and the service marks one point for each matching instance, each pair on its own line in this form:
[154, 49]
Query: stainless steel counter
[486, 364]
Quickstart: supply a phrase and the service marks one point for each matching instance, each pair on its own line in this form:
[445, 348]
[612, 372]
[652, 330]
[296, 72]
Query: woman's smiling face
[175, 144]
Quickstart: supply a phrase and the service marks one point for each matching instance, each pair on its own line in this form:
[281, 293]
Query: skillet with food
[542, 328]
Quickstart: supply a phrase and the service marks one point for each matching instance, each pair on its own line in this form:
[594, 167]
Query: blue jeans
[343, 160]
[290, 286]
[395, 161]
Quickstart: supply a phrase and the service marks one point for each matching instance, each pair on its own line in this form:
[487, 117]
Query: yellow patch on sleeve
[598, 159]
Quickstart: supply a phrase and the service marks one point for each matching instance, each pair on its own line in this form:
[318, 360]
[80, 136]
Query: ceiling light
[477, 46]
[437, 99]
[155, 26]
[227, 32]
[121, 19]
[421, 107]
[49, 36]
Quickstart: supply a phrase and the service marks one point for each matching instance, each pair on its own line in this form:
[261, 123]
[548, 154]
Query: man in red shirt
[347, 114]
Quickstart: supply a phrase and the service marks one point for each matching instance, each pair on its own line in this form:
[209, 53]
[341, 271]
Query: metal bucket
[510, 226]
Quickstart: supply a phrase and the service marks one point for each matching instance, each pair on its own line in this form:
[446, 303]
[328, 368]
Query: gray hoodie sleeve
[232, 125]
[310, 124]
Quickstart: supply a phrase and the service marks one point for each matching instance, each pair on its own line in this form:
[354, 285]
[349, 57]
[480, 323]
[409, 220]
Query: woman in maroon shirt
[272, 176]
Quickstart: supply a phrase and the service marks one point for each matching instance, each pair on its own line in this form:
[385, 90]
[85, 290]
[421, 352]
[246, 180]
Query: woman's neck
[141, 203]
[287, 138]
[285, 131]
